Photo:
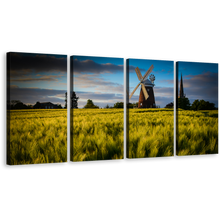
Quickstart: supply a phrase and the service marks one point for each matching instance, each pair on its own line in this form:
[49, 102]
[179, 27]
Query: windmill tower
[181, 94]
[146, 97]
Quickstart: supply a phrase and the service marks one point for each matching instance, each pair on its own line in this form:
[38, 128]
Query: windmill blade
[148, 72]
[144, 91]
[134, 90]
[138, 72]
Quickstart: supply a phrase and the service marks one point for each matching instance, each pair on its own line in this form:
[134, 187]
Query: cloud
[89, 66]
[100, 99]
[32, 95]
[24, 63]
[13, 86]
[203, 86]
[43, 78]
[97, 83]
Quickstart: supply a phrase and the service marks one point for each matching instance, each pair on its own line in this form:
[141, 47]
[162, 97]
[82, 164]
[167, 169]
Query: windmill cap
[147, 82]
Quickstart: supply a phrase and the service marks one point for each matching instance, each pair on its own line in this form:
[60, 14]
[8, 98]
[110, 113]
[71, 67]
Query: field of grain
[150, 133]
[40, 136]
[37, 136]
[97, 134]
[197, 132]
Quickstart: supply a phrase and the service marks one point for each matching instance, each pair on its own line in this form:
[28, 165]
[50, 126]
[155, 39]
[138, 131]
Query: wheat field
[40, 136]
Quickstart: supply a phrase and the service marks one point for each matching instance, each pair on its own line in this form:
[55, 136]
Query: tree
[183, 103]
[195, 105]
[13, 103]
[59, 106]
[74, 100]
[119, 105]
[202, 105]
[37, 105]
[135, 105]
[107, 106]
[90, 104]
[20, 105]
[30, 106]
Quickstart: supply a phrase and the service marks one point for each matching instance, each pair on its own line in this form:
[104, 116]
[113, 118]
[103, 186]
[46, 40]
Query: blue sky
[43, 78]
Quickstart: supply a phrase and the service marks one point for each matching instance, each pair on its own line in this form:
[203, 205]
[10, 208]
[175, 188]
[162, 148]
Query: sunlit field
[150, 133]
[97, 134]
[37, 136]
[197, 132]
[40, 136]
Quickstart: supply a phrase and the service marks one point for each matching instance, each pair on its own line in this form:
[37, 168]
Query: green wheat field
[40, 136]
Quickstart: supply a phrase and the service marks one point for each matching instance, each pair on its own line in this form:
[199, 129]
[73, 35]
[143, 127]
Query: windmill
[146, 97]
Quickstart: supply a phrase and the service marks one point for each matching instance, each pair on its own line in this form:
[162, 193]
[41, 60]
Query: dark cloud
[29, 79]
[203, 86]
[89, 66]
[32, 95]
[22, 64]
[132, 69]
[28, 68]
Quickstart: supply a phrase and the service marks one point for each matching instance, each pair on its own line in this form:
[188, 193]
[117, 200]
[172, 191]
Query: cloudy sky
[43, 78]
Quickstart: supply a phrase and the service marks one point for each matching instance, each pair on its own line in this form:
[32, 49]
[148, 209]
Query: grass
[40, 136]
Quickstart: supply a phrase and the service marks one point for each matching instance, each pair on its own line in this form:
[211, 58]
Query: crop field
[40, 136]
[37, 136]
[197, 132]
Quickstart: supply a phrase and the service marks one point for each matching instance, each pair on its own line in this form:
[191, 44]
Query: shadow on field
[152, 111]
[215, 115]
[208, 114]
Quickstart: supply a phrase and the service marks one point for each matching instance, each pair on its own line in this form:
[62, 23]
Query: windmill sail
[148, 72]
[139, 75]
[138, 72]
[144, 91]
[134, 90]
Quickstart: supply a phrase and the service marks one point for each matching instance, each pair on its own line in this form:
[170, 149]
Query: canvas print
[97, 118]
[197, 108]
[36, 108]
[150, 104]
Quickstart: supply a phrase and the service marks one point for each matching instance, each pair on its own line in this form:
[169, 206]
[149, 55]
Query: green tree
[195, 105]
[183, 103]
[90, 104]
[202, 105]
[135, 105]
[74, 100]
[119, 105]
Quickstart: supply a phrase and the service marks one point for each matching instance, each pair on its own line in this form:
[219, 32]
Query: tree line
[184, 103]
[17, 104]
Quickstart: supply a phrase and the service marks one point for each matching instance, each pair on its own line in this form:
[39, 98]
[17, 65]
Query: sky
[43, 78]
